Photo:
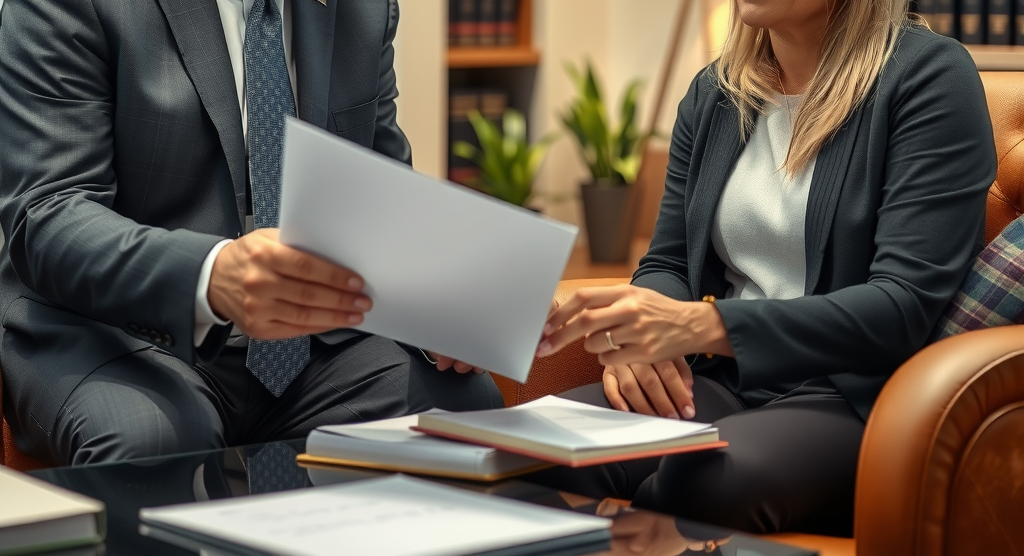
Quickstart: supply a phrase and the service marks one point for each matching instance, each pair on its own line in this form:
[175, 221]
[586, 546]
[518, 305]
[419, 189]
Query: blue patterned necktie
[268, 95]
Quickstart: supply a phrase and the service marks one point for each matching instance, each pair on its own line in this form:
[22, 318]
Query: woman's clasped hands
[642, 337]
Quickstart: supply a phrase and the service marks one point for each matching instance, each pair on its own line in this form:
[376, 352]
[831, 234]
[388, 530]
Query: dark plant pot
[609, 213]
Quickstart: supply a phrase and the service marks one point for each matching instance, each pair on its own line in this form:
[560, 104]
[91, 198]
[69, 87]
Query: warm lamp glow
[717, 24]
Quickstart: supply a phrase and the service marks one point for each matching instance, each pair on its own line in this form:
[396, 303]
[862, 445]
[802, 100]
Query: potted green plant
[612, 154]
[508, 162]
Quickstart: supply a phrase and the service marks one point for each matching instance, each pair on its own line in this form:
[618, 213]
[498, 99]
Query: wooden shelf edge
[997, 58]
[498, 57]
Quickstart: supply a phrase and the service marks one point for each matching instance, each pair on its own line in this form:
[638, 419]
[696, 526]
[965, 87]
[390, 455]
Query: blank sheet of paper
[449, 270]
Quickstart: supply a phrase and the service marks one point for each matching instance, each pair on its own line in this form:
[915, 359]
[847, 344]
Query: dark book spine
[453, 22]
[487, 22]
[460, 103]
[466, 26]
[927, 10]
[944, 18]
[493, 103]
[1000, 23]
[972, 21]
[1018, 22]
[508, 22]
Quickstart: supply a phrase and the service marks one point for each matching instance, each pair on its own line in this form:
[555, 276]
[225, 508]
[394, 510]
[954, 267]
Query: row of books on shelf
[491, 103]
[999, 22]
[485, 23]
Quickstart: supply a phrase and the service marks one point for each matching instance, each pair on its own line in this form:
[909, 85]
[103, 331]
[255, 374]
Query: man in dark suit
[142, 144]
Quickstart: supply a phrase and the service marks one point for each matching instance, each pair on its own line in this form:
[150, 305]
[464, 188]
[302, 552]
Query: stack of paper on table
[37, 516]
[449, 269]
[572, 433]
[393, 516]
[391, 445]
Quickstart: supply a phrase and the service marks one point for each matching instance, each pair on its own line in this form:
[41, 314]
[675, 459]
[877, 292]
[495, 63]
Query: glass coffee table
[128, 486]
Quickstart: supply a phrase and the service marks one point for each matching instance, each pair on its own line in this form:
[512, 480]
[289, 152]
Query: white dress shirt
[758, 230]
[233, 14]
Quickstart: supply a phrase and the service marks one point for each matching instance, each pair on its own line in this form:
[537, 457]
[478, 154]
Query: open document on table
[391, 516]
[449, 269]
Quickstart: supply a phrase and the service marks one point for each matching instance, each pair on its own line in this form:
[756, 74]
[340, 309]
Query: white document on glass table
[449, 269]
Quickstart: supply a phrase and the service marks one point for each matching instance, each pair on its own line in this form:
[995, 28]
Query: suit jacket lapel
[826, 184]
[313, 25]
[723, 148]
[196, 27]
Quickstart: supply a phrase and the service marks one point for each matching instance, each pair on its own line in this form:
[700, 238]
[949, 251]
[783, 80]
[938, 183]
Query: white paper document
[449, 270]
[393, 516]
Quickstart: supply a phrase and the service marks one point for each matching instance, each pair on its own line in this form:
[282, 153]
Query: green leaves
[508, 163]
[611, 154]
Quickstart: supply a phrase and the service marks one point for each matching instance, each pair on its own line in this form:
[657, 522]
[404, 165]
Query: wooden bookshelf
[495, 57]
[997, 58]
[509, 68]
[522, 53]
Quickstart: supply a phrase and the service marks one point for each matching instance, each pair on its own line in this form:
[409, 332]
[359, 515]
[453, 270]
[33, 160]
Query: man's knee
[107, 421]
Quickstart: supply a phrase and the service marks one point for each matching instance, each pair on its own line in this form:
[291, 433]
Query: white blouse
[758, 230]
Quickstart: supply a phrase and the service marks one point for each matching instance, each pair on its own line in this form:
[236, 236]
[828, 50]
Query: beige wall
[421, 66]
[625, 39]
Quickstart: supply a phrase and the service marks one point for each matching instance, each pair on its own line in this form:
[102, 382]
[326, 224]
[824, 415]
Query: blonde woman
[827, 187]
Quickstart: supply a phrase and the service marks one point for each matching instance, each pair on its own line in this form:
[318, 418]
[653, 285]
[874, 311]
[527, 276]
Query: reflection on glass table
[129, 486]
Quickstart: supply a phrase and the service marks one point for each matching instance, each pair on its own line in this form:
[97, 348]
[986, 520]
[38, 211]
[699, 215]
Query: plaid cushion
[993, 291]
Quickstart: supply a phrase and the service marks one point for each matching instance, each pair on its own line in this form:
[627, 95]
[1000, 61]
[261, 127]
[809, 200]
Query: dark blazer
[894, 218]
[123, 164]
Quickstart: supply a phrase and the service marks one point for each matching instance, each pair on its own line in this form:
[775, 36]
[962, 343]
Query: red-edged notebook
[572, 433]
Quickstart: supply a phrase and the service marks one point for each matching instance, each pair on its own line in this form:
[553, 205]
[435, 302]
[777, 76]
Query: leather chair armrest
[570, 368]
[941, 467]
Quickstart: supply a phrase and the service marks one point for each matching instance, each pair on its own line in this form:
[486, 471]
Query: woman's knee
[714, 488]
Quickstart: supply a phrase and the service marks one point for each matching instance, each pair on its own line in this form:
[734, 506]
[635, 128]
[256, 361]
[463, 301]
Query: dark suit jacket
[123, 164]
[894, 218]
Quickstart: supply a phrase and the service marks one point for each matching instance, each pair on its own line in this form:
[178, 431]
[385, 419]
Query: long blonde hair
[859, 39]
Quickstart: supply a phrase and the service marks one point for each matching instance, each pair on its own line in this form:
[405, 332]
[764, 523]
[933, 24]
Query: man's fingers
[443, 362]
[311, 294]
[302, 266]
[462, 368]
[276, 315]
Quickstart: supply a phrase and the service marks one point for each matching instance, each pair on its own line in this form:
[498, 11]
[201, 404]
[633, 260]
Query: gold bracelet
[709, 299]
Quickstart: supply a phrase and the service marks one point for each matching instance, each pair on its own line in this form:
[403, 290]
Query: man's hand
[272, 291]
[664, 389]
[444, 363]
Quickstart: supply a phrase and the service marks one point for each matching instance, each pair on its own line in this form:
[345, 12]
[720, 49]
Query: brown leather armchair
[941, 469]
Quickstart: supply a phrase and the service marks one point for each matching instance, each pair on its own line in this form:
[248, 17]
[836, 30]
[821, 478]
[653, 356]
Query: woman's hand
[664, 389]
[625, 325]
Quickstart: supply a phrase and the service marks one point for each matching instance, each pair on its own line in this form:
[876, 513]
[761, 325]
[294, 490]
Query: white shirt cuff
[205, 317]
